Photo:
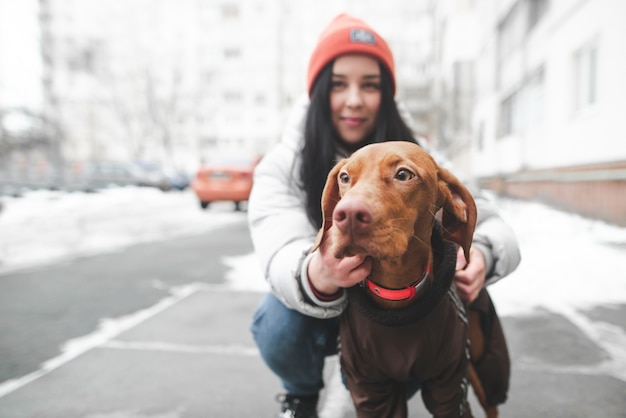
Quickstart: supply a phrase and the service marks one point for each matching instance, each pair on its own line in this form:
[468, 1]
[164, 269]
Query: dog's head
[387, 195]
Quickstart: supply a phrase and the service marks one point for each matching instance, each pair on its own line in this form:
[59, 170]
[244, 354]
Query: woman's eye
[371, 86]
[344, 178]
[337, 84]
[404, 175]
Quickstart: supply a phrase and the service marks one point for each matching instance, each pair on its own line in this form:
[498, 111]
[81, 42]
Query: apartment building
[160, 80]
[177, 81]
[546, 89]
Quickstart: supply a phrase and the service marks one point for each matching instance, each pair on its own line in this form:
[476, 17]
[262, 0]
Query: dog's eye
[344, 178]
[403, 175]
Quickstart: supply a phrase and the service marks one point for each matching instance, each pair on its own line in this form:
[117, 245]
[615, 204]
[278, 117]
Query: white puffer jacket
[282, 234]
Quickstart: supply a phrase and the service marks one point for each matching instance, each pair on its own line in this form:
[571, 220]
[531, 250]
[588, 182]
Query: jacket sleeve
[496, 240]
[282, 234]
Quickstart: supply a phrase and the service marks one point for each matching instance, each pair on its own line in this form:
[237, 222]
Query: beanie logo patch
[362, 36]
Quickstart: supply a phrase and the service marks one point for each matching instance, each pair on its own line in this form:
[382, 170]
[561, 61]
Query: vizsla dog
[405, 322]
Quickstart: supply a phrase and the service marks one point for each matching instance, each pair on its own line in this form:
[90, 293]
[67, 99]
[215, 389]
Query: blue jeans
[294, 346]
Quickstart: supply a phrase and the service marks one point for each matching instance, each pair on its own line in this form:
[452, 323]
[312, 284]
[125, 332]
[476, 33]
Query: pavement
[193, 356]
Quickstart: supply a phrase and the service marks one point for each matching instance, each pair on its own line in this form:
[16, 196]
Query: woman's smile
[352, 121]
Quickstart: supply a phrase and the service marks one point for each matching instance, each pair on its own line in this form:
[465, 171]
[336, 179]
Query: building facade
[524, 95]
[547, 93]
[178, 81]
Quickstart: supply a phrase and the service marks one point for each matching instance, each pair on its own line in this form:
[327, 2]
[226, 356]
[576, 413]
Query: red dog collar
[397, 294]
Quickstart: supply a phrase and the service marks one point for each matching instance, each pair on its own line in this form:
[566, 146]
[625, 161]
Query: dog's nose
[352, 214]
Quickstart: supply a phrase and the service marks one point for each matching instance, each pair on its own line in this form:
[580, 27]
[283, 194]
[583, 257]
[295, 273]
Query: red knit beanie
[347, 34]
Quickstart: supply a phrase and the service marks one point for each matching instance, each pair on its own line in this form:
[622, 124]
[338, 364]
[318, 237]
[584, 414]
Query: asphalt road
[43, 307]
[183, 348]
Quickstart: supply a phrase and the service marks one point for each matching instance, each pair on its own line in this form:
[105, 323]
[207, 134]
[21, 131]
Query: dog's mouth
[349, 251]
[345, 245]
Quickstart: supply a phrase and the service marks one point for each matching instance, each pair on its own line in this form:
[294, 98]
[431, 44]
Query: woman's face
[355, 97]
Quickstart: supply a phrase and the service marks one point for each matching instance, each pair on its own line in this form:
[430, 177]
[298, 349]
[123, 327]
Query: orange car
[225, 179]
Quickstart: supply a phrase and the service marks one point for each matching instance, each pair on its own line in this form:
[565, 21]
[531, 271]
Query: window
[504, 122]
[462, 95]
[536, 10]
[83, 58]
[585, 62]
[511, 31]
[232, 97]
[534, 89]
[260, 99]
[232, 53]
[523, 109]
[511, 114]
[523, 16]
[209, 141]
[480, 137]
[230, 10]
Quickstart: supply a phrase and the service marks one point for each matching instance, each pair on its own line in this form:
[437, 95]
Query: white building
[547, 97]
[526, 95]
[558, 87]
[20, 64]
[177, 81]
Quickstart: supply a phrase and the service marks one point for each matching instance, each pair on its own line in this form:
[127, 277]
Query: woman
[351, 87]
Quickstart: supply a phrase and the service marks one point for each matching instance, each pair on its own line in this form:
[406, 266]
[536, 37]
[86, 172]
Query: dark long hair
[318, 155]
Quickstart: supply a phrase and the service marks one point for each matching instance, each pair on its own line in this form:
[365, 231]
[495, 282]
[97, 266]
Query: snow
[44, 226]
[567, 261]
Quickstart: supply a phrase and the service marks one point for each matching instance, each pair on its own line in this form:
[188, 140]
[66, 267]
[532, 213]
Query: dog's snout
[352, 214]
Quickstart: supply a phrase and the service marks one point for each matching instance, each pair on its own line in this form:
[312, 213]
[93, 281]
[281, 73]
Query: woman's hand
[328, 274]
[469, 278]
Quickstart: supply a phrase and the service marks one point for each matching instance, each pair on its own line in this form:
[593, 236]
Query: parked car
[177, 179]
[224, 179]
[153, 175]
[96, 175]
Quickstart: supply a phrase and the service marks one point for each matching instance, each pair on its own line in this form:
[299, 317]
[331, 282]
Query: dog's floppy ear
[330, 197]
[458, 211]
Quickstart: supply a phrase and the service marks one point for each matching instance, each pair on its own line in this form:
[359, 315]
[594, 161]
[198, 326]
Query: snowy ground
[44, 226]
[569, 263]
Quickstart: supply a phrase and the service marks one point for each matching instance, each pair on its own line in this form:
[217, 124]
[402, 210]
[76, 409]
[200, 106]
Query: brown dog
[406, 321]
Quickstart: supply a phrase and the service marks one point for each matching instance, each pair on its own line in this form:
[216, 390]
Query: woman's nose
[354, 96]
